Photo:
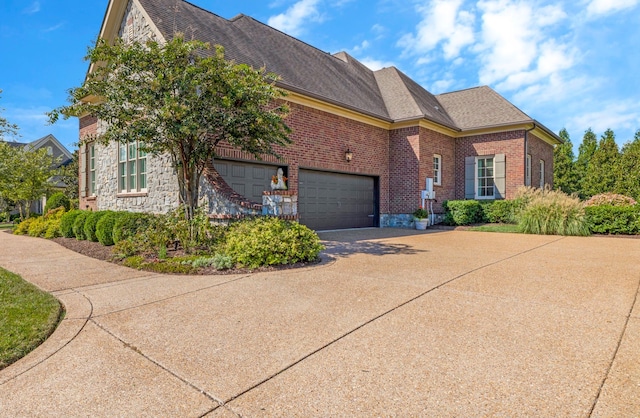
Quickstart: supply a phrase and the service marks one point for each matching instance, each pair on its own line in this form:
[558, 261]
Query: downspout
[526, 152]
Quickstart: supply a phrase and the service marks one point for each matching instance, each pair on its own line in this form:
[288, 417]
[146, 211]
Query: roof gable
[481, 107]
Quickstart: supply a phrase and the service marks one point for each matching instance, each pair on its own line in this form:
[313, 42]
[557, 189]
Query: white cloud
[359, 48]
[513, 51]
[375, 65]
[294, 19]
[54, 27]
[615, 115]
[601, 7]
[443, 23]
[33, 8]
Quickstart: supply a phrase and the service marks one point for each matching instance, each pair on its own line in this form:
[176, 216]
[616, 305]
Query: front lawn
[27, 317]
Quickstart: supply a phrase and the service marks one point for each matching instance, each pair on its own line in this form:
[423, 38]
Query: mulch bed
[100, 252]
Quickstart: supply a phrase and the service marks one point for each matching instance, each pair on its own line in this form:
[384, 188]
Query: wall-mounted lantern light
[348, 155]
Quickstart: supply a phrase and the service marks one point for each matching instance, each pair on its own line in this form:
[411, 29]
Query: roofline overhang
[531, 125]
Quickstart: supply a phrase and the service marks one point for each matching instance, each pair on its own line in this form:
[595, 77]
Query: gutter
[526, 149]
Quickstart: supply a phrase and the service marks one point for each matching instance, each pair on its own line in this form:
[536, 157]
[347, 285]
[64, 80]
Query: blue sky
[573, 64]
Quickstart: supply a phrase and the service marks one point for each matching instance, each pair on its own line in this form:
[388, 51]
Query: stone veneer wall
[135, 27]
[162, 186]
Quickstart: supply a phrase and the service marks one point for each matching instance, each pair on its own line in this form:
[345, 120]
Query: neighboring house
[363, 141]
[61, 155]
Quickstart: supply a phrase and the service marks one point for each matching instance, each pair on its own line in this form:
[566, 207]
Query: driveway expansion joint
[375, 318]
[158, 364]
[615, 352]
[47, 357]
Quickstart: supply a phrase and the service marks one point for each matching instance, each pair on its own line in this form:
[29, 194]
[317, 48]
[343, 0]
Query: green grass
[4, 225]
[504, 228]
[27, 317]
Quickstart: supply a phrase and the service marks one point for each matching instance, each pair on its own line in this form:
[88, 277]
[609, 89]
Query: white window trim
[92, 169]
[127, 176]
[528, 171]
[437, 175]
[542, 174]
[492, 197]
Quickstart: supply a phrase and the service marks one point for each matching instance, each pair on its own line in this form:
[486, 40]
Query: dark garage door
[336, 201]
[248, 179]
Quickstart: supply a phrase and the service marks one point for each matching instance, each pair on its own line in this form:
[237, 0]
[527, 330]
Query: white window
[542, 174]
[92, 170]
[485, 180]
[437, 169]
[528, 179]
[132, 168]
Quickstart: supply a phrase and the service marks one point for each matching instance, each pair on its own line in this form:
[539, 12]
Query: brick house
[473, 143]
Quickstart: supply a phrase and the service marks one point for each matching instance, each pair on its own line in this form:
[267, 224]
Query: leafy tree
[182, 99]
[564, 173]
[601, 174]
[68, 174]
[629, 168]
[6, 127]
[24, 175]
[586, 150]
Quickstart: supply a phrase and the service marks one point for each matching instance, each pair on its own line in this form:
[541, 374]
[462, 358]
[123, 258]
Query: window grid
[437, 169]
[92, 169]
[132, 168]
[485, 187]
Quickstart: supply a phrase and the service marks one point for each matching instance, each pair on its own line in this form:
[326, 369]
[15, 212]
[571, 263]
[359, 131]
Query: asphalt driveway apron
[393, 323]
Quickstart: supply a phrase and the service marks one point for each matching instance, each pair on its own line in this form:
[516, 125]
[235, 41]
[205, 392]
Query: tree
[24, 175]
[586, 150]
[68, 174]
[601, 175]
[629, 179]
[182, 99]
[6, 127]
[564, 174]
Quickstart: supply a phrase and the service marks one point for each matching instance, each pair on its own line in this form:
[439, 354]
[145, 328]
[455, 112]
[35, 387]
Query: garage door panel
[335, 201]
[247, 179]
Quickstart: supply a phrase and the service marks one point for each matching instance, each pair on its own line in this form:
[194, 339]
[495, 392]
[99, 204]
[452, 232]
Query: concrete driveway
[394, 323]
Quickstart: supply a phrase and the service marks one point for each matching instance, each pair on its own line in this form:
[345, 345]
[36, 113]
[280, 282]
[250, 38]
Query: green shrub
[23, 227]
[270, 241]
[610, 219]
[125, 248]
[53, 229]
[129, 223]
[78, 225]
[462, 212]
[222, 261]
[554, 213]
[90, 225]
[38, 227]
[500, 211]
[66, 223]
[104, 227]
[57, 200]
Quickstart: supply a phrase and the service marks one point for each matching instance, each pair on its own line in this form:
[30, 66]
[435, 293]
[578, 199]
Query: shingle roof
[387, 94]
[301, 67]
[481, 107]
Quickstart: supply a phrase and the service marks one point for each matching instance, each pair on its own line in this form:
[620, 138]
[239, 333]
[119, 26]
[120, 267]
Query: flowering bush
[421, 213]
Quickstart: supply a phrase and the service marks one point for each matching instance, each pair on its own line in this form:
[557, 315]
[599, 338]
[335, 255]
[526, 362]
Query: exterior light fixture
[348, 155]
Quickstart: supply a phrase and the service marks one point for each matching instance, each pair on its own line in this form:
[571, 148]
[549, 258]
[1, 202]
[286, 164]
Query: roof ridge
[466, 89]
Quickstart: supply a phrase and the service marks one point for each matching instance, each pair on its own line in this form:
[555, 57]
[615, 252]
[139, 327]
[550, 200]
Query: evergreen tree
[585, 152]
[629, 169]
[601, 174]
[564, 175]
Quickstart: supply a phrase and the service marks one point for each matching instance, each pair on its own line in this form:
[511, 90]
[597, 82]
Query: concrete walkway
[395, 323]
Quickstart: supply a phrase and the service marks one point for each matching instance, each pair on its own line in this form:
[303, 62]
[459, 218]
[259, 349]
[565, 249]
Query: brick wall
[540, 150]
[404, 170]
[88, 126]
[431, 143]
[320, 141]
[509, 143]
